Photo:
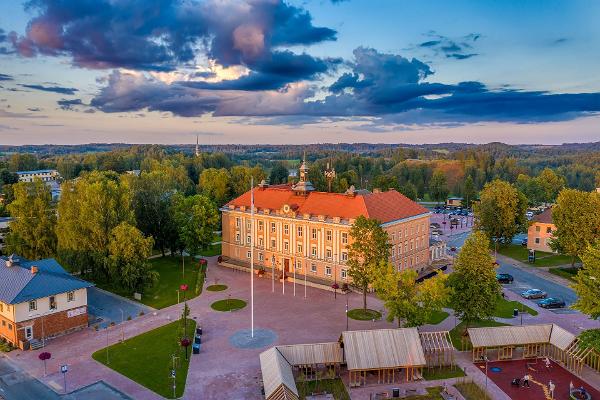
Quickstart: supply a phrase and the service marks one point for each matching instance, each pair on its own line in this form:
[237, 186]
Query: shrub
[590, 338]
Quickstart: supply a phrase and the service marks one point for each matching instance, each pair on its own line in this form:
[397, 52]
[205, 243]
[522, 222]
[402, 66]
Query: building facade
[46, 175]
[541, 232]
[39, 300]
[305, 232]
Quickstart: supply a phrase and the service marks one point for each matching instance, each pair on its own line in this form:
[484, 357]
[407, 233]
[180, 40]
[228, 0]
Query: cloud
[164, 35]
[4, 77]
[69, 105]
[458, 48]
[54, 89]
[34, 109]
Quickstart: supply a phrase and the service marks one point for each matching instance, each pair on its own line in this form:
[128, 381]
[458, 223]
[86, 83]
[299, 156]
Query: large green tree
[500, 212]
[409, 302]
[241, 177]
[279, 174]
[577, 219]
[475, 290]
[89, 209]
[31, 232]
[197, 218]
[216, 184]
[128, 257]
[469, 192]
[368, 249]
[587, 282]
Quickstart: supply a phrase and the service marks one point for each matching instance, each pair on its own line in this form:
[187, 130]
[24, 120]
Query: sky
[314, 71]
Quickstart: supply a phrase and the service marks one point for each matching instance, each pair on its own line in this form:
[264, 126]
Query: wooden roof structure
[278, 378]
[312, 354]
[433, 342]
[383, 348]
[499, 336]
[561, 338]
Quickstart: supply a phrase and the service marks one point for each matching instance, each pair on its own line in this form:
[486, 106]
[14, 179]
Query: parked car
[524, 242]
[534, 294]
[505, 278]
[552, 302]
[196, 345]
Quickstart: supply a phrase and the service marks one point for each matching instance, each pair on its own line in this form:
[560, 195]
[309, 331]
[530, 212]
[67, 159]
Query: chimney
[351, 192]
[34, 269]
[263, 185]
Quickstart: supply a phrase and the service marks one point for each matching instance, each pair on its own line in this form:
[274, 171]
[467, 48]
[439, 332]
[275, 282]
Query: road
[18, 385]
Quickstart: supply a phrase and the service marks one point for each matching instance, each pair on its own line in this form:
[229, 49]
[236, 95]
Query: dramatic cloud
[388, 88]
[54, 89]
[4, 77]
[69, 104]
[164, 35]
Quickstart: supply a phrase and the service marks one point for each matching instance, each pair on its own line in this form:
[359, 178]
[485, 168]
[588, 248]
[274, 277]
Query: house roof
[382, 206]
[545, 217]
[18, 284]
[37, 171]
[312, 354]
[520, 335]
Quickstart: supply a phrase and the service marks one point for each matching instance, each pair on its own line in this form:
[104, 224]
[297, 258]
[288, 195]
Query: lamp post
[122, 322]
[347, 310]
[107, 360]
[184, 289]
[335, 285]
[486, 359]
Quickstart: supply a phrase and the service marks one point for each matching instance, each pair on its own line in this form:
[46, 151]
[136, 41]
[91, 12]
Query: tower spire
[197, 152]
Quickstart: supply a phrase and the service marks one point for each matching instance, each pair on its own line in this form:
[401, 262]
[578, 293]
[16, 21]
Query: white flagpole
[305, 273]
[252, 254]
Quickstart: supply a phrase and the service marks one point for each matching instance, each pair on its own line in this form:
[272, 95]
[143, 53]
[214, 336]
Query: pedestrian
[503, 295]
[551, 388]
[547, 362]
[571, 387]
[526, 380]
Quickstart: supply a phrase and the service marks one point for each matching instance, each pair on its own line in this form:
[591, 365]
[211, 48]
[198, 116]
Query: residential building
[540, 232]
[39, 300]
[4, 222]
[299, 227]
[45, 175]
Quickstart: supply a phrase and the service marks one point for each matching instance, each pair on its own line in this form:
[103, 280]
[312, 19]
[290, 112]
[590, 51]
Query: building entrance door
[286, 266]
[28, 332]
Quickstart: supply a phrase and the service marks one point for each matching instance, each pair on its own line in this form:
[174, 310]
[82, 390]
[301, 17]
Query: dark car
[505, 278]
[534, 294]
[552, 302]
[524, 242]
[196, 345]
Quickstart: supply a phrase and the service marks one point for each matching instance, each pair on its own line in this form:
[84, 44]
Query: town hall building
[299, 227]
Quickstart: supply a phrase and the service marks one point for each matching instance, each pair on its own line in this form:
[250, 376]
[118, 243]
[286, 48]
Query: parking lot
[105, 307]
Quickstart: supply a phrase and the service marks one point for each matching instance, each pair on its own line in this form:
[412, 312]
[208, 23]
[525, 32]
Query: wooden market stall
[534, 339]
[393, 354]
[277, 375]
[309, 358]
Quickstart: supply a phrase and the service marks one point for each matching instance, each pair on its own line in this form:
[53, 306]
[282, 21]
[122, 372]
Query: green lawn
[228, 305]
[442, 373]
[520, 253]
[213, 250]
[472, 391]
[164, 292]
[147, 358]
[364, 315]
[505, 308]
[333, 386]
[565, 272]
[456, 333]
[216, 288]
[433, 393]
[436, 317]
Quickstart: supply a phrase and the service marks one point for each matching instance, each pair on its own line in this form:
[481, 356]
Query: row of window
[408, 246]
[328, 255]
[409, 230]
[51, 302]
[4, 324]
[299, 230]
[548, 229]
[313, 267]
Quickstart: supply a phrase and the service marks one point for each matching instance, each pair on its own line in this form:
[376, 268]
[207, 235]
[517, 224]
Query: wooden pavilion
[544, 340]
[438, 348]
[309, 358]
[394, 354]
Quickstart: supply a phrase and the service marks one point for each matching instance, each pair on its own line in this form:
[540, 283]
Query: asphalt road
[17, 385]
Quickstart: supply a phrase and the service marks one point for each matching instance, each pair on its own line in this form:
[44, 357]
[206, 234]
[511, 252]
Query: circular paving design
[243, 339]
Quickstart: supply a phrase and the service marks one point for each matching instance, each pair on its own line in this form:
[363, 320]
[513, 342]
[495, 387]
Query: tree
[409, 190]
[587, 282]
[470, 194]
[215, 183]
[241, 177]
[577, 222]
[152, 200]
[279, 174]
[197, 218]
[438, 187]
[409, 302]
[128, 253]
[31, 232]
[88, 210]
[500, 212]
[551, 184]
[369, 247]
[22, 162]
[475, 290]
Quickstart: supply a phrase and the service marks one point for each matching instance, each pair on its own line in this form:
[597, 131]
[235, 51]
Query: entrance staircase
[35, 344]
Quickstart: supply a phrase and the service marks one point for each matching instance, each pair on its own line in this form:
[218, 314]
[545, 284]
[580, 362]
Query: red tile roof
[383, 206]
[545, 217]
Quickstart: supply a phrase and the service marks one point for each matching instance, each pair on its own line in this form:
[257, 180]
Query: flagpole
[252, 255]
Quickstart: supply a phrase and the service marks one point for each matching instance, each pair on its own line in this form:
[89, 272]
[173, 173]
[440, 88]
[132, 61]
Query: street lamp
[347, 310]
[486, 359]
[122, 322]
